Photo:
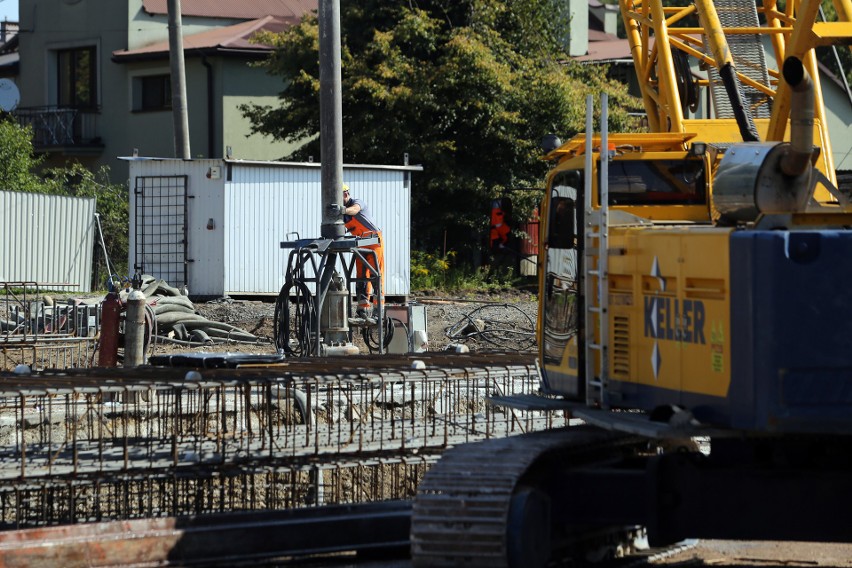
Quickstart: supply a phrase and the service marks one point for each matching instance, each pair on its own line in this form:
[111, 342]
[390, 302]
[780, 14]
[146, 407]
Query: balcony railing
[61, 126]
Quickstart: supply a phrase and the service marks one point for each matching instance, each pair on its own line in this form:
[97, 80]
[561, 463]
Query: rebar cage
[43, 334]
[105, 444]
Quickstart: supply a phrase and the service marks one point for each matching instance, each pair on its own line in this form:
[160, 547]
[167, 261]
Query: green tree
[17, 159]
[467, 88]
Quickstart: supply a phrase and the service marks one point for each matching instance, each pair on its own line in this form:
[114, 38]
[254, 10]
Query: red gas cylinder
[110, 318]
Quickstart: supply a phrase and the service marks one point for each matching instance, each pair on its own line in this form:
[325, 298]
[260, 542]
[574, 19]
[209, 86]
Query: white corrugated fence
[47, 239]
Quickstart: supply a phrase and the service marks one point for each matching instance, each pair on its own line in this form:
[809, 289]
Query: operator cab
[652, 181]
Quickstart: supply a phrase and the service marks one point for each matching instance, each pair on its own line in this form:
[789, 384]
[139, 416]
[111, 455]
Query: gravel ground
[503, 321]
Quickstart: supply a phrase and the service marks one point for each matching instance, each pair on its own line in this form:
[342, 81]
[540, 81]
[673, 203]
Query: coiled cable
[298, 337]
[372, 341]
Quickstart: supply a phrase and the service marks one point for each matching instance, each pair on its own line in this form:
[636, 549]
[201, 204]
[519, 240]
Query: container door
[161, 228]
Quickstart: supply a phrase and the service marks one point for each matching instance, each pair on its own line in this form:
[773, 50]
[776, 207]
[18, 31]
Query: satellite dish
[9, 95]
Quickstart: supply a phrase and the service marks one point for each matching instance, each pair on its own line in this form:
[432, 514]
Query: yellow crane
[692, 296]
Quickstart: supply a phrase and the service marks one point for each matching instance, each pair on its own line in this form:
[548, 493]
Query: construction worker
[500, 229]
[357, 219]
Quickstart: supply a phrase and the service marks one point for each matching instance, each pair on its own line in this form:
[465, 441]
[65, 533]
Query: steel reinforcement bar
[37, 332]
[120, 443]
[206, 491]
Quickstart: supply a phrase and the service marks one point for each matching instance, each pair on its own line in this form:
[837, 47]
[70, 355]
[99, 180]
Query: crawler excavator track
[478, 505]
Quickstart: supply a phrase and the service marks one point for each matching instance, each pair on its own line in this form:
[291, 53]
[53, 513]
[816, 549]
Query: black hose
[303, 333]
[497, 331]
[373, 342]
[687, 86]
[742, 113]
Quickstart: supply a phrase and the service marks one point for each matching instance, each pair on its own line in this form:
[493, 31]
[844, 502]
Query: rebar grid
[170, 494]
[96, 444]
[44, 336]
[25, 316]
[111, 421]
[53, 353]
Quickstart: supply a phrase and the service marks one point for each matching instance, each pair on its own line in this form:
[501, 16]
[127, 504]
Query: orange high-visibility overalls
[361, 225]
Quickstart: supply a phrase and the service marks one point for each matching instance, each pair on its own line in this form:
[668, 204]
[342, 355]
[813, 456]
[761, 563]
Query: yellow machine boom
[692, 287]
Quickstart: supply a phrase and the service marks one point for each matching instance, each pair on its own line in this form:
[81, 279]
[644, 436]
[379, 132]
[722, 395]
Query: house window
[77, 77]
[153, 92]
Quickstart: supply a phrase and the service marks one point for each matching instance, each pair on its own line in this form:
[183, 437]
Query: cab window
[656, 182]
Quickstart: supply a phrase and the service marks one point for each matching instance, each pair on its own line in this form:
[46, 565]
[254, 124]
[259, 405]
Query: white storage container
[217, 225]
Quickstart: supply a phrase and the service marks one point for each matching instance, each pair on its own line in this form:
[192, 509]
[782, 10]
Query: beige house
[94, 77]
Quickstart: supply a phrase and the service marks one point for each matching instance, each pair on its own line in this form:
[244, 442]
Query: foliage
[433, 271]
[467, 88]
[112, 209]
[17, 159]
[429, 271]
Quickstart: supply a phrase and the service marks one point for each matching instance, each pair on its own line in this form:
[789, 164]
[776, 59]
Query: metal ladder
[596, 298]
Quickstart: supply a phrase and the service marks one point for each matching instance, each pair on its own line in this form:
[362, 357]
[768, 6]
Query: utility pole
[178, 79]
[331, 117]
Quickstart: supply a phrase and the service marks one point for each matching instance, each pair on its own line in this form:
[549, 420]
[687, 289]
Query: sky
[9, 10]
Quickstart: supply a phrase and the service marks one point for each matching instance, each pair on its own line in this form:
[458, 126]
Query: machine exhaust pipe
[798, 155]
[771, 178]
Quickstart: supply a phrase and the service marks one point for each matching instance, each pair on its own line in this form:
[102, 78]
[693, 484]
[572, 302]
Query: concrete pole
[331, 118]
[178, 73]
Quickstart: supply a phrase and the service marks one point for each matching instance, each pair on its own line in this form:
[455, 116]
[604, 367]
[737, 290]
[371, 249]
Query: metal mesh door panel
[161, 222]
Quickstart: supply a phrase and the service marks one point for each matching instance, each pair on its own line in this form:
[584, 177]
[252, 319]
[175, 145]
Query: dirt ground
[504, 321]
[746, 554]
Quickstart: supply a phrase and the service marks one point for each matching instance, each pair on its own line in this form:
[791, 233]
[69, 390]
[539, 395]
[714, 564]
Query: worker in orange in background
[357, 219]
[499, 227]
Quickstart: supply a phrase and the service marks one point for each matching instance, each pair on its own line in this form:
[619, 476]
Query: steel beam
[215, 540]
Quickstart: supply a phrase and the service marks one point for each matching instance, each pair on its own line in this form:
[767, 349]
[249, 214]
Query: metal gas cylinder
[108, 343]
